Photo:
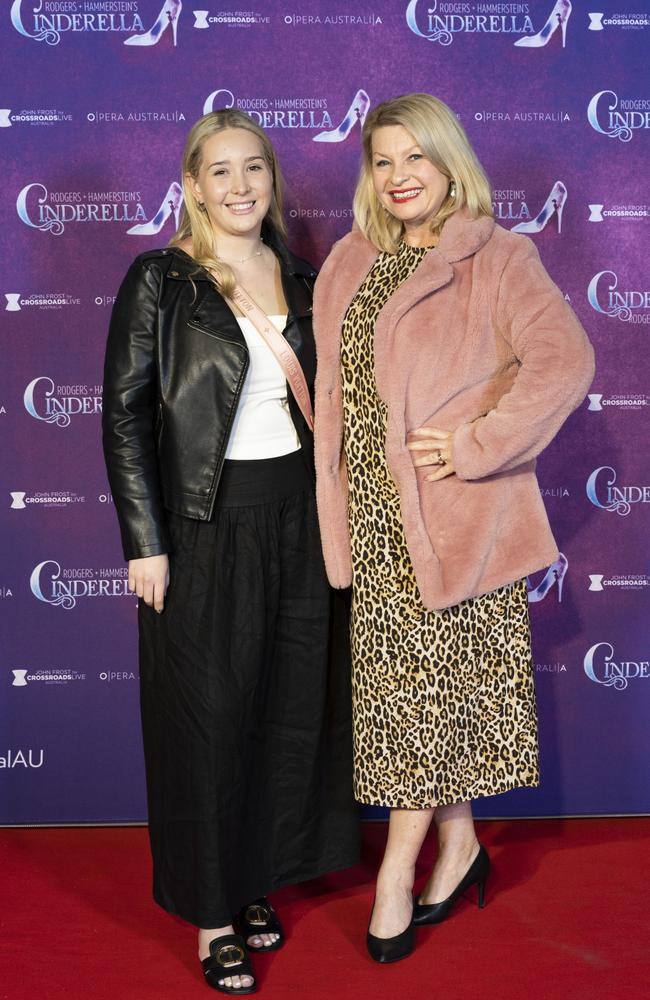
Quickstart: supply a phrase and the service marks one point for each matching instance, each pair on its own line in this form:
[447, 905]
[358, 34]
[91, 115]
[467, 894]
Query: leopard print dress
[443, 701]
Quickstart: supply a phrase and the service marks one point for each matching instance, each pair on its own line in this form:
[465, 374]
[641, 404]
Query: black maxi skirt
[245, 700]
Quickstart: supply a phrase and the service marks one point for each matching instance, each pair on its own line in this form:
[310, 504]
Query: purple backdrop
[99, 97]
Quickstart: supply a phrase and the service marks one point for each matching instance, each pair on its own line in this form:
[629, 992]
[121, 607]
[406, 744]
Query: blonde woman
[246, 735]
[447, 360]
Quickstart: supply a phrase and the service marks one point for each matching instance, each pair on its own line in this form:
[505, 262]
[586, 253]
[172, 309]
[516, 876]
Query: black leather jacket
[176, 362]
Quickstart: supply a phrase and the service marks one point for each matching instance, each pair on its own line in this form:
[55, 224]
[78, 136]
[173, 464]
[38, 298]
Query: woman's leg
[457, 848]
[393, 907]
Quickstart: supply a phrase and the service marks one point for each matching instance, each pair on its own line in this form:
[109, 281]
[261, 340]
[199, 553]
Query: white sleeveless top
[263, 427]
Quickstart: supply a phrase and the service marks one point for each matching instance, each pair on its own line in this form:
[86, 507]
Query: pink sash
[282, 351]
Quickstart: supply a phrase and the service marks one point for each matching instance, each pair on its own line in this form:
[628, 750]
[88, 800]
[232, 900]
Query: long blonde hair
[195, 222]
[442, 139]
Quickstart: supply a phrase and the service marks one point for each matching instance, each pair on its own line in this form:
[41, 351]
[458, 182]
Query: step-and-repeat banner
[97, 98]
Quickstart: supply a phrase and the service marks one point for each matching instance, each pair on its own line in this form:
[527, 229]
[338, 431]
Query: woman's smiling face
[234, 182]
[406, 183]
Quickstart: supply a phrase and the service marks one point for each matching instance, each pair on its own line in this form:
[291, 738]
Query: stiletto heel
[391, 949]
[558, 18]
[169, 14]
[554, 574]
[563, 25]
[171, 203]
[477, 873]
[554, 205]
[356, 113]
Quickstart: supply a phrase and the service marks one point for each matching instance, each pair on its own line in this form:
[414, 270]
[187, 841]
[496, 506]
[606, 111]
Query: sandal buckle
[257, 915]
[230, 955]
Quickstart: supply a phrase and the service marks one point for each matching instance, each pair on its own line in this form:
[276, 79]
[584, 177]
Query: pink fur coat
[479, 342]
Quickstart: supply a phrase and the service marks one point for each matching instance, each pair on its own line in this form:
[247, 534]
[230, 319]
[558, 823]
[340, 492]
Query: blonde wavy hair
[442, 139]
[195, 222]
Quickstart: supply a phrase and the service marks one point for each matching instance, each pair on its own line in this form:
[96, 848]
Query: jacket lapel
[297, 293]
[359, 259]
[461, 237]
[210, 312]
[333, 293]
[433, 272]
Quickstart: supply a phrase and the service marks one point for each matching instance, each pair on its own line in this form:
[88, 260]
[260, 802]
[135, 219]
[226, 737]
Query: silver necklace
[242, 260]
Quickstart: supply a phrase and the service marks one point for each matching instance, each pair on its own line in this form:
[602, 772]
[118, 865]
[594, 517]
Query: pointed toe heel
[392, 949]
[477, 873]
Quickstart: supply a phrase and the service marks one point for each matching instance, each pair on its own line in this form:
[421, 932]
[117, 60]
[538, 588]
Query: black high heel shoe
[477, 873]
[391, 949]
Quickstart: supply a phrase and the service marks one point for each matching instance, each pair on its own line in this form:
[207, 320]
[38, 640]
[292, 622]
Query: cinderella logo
[621, 118]
[618, 304]
[42, 403]
[39, 209]
[295, 113]
[47, 22]
[601, 668]
[52, 585]
[441, 27]
[618, 499]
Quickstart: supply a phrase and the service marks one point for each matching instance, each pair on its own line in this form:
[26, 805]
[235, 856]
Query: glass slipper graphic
[558, 18]
[554, 574]
[168, 15]
[554, 204]
[172, 202]
[356, 113]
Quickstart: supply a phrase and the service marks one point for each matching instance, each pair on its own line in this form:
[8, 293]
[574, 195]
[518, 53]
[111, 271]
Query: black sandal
[228, 958]
[257, 918]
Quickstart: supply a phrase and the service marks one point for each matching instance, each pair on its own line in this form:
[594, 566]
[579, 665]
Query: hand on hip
[430, 446]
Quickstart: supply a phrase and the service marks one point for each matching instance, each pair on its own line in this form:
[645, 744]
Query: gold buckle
[235, 955]
[260, 915]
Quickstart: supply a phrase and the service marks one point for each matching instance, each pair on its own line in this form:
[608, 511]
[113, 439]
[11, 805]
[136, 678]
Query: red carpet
[566, 917]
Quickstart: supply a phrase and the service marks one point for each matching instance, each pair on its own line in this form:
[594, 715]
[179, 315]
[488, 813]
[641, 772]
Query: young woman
[246, 729]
